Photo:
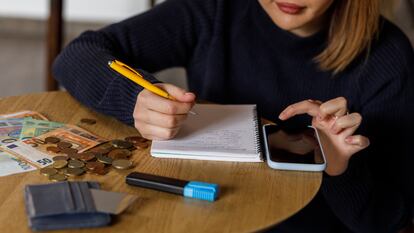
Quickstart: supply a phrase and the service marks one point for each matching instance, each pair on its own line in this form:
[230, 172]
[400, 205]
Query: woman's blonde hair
[353, 26]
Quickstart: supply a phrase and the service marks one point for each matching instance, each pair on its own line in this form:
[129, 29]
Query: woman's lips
[289, 8]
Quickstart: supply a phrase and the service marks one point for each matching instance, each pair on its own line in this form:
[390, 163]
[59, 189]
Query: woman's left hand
[336, 128]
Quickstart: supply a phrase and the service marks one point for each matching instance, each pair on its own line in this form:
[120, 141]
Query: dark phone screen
[293, 145]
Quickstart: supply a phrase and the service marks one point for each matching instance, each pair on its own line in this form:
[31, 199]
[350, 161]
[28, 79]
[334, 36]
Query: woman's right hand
[159, 118]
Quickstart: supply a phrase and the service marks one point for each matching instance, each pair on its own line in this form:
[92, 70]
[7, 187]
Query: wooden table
[253, 196]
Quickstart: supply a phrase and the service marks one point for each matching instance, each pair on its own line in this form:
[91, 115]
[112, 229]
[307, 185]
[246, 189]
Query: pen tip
[109, 63]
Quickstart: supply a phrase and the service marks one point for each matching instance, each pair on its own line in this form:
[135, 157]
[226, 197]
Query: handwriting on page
[217, 140]
[217, 130]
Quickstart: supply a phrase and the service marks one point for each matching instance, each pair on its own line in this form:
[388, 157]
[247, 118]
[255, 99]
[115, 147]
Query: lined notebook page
[217, 132]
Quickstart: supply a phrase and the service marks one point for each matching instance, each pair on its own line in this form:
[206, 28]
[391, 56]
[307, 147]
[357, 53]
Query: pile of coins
[98, 160]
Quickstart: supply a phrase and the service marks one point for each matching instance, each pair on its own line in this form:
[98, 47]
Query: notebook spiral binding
[257, 132]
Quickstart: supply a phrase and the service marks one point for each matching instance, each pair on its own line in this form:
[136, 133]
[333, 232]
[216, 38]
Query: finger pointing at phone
[336, 128]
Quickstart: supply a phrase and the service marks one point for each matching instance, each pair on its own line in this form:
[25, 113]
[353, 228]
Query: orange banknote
[23, 114]
[37, 150]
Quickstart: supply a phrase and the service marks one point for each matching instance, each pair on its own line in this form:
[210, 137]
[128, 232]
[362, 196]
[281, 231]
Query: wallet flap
[82, 197]
[59, 198]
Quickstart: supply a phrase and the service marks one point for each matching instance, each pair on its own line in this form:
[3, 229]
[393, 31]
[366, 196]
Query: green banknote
[33, 128]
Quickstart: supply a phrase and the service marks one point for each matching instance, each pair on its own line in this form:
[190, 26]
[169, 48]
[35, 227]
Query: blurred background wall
[23, 25]
[23, 29]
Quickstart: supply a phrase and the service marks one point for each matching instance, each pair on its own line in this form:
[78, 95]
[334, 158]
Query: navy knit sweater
[234, 53]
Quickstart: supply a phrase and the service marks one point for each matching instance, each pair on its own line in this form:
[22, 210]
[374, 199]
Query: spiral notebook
[217, 132]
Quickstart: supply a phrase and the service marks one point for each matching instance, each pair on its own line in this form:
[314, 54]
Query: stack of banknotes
[22, 148]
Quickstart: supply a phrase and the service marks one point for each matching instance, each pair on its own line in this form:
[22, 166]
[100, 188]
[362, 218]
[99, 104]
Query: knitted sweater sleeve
[376, 194]
[157, 39]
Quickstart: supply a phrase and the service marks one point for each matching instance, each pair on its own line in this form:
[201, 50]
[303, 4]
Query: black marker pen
[193, 189]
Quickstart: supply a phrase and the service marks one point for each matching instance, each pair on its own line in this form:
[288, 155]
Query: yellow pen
[137, 78]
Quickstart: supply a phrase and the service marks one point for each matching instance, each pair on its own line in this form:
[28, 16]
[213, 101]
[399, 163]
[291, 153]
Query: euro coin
[135, 139]
[53, 149]
[119, 154]
[122, 164]
[101, 171]
[74, 171]
[60, 164]
[75, 164]
[74, 156]
[60, 157]
[63, 145]
[94, 165]
[57, 177]
[104, 159]
[86, 156]
[52, 140]
[141, 145]
[121, 144]
[68, 151]
[48, 171]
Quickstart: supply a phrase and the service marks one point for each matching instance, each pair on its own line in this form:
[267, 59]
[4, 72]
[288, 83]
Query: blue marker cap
[201, 190]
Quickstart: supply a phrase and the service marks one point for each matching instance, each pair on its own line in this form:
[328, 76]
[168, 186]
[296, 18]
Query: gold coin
[141, 145]
[86, 156]
[52, 140]
[63, 145]
[135, 139]
[48, 171]
[119, 154]
[101, 171]
[63, 170]
[74, 171]
[94, 165]
[53, 149]
[60, 157]
[106, 146]
[104, 159]
[60, 164]
[74, 156]
[69, 151]
[57, 177]
[75, 164]
[122, 164]
[121, 144]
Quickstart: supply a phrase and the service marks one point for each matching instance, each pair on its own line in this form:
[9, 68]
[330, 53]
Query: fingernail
[282, 116]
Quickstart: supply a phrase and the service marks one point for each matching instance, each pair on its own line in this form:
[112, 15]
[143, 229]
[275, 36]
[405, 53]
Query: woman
[336, 61]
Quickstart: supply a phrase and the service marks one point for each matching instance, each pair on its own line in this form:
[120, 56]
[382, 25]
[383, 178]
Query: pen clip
[128, 68]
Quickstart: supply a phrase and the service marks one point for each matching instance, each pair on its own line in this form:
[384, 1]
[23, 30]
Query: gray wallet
[63, 205]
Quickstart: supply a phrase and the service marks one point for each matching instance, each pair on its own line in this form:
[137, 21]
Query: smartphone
[293, 149]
